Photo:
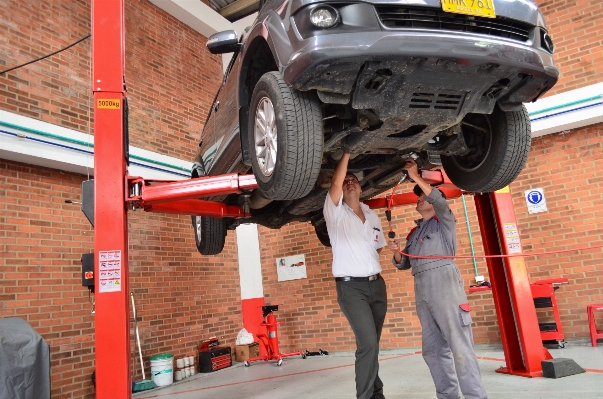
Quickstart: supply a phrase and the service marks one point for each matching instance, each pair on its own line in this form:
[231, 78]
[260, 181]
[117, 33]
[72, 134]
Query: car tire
[285, 136]
[499, 145]
[210, 234]
[323, 234]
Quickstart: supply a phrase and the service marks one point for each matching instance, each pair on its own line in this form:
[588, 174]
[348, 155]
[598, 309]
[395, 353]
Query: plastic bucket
[162, 369]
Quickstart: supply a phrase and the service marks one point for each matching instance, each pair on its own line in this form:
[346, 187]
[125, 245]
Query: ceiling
[234, 10]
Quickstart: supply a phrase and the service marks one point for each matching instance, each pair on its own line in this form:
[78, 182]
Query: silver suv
[444, 80]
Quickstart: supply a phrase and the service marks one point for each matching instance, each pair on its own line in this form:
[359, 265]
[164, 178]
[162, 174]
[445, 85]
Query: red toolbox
[215, 358]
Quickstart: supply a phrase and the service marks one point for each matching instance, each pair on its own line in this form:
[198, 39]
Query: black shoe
[377, 396]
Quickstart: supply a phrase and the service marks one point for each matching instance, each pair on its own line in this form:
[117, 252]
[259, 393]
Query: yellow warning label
[504, 190]
[108, 103]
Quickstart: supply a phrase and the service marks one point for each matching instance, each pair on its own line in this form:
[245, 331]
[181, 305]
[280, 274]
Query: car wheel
[285, 138]
[498, 144]
[323, 234]
[210, 234]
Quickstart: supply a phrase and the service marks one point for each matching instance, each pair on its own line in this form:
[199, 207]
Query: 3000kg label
[110, 104]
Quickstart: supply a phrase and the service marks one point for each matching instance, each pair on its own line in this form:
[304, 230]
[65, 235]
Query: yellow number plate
[479, 8]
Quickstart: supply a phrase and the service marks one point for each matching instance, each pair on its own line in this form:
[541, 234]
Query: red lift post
[115, 191]
[112, 316]
[517, 320]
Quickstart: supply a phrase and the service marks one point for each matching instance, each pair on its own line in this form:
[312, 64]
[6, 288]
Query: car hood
[520, 10]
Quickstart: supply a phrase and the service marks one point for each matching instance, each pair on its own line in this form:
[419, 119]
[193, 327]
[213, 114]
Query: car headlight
[324, 17]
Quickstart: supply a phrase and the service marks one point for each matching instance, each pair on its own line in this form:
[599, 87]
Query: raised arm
[413, 172]
[338, 177]
[440, 205]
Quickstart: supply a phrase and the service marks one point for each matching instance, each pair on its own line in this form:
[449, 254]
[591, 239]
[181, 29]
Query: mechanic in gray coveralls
[440, 298]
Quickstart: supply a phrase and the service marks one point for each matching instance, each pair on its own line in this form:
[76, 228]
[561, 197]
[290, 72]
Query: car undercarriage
[384, 83]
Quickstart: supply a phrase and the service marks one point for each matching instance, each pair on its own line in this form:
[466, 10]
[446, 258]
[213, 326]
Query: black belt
[369, 278]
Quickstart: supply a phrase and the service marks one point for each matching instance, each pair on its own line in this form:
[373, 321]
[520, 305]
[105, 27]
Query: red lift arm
[180, 197]
[434, 177]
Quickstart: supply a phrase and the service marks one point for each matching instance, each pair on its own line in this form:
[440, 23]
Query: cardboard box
[244, 352]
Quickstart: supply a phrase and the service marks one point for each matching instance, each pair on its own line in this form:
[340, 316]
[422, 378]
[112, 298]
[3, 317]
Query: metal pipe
[470, 235]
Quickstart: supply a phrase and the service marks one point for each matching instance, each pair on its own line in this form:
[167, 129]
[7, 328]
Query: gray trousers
[364, 304]
[447, 336]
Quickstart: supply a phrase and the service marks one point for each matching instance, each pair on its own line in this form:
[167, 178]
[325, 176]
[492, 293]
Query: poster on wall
[535, 200]
[291, 267]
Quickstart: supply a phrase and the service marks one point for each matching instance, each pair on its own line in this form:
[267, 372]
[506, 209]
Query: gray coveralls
[442, 304]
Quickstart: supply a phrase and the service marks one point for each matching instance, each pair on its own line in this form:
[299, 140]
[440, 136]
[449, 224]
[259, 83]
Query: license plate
[478, 8]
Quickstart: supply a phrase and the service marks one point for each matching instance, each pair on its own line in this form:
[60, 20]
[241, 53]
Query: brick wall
[183, 297]
[55, 90]
[568, 168]
[575, 27]
[171, 80]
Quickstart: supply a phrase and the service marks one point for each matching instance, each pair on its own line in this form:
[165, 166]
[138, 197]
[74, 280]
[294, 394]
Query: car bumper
[333, 63]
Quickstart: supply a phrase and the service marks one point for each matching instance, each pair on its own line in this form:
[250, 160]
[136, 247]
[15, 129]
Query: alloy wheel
[265, 136]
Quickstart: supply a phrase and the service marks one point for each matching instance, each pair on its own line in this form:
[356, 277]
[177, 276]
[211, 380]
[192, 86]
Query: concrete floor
[403, 372]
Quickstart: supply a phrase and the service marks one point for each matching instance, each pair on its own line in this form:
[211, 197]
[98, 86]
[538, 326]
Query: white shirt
[354, 243]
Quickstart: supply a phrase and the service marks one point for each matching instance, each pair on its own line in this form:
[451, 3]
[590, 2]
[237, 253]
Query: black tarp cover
[24, 361]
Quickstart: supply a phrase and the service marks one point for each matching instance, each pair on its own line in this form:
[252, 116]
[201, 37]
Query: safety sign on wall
[109, 271]
[535, 200]
[291, 267]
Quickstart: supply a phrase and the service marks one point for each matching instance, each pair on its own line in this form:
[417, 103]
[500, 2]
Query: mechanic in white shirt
[356, 237]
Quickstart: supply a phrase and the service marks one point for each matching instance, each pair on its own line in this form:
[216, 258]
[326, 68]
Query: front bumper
[360, 52]
[332, 63]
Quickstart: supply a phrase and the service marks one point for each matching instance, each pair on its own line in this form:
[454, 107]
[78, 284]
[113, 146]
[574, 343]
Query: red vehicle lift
[115, 191]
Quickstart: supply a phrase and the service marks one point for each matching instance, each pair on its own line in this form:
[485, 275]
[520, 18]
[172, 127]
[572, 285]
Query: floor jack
[319, 353]
[270, 341]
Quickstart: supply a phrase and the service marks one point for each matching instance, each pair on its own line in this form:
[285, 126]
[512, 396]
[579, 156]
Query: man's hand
[412, 169]
[394, 246]
[413, 172]
[347, 149]
[338, 177]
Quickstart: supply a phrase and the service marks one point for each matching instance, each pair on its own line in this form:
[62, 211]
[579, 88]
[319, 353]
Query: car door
[225, 151]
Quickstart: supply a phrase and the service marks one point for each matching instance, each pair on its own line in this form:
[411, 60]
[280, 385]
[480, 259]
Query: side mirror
[223, 42]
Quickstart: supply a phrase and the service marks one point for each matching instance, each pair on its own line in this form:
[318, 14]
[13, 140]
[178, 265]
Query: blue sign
[534, 197]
